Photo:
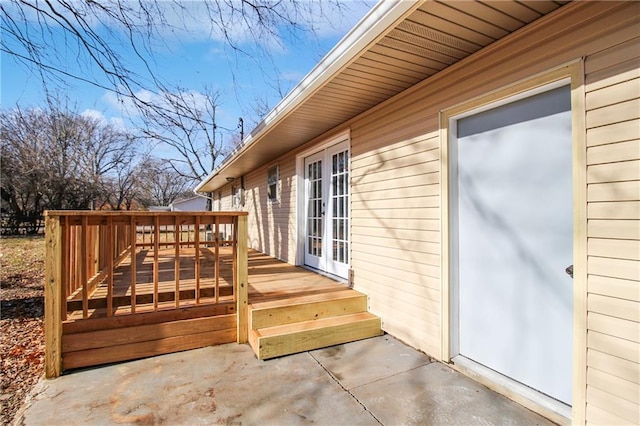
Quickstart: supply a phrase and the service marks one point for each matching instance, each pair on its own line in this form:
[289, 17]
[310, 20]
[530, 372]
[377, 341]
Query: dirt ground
[21, 320]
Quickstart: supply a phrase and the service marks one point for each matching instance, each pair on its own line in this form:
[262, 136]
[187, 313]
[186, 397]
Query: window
[235, 196]
[272, 183]
[219, 201]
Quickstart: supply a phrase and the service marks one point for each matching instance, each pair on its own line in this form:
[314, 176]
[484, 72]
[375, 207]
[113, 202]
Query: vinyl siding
[395, 227]
[272, 224]
[225, 202]
[612, 102]
[396, 192]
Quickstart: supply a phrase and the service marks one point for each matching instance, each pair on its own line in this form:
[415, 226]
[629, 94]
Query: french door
[326, 178]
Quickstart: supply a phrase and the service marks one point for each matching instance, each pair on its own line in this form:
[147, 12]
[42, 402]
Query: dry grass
[21, 320]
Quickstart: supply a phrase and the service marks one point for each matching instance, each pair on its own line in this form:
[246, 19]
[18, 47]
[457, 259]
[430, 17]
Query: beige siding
[613, 195]
[272, 224]
[396, 192]
[395, 221]
[223, 203]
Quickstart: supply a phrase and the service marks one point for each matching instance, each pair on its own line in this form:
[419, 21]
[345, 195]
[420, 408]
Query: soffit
[431, 38]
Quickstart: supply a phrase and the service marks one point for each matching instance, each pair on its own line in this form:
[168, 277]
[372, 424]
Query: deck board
[272, 279]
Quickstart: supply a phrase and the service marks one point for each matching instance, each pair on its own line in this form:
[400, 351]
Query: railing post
[109, 251]
[242, 280]
[52, 297]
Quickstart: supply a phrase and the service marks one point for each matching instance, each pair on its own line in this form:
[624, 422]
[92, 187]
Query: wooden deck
[278, 293]
[269, 279]
[120, 293]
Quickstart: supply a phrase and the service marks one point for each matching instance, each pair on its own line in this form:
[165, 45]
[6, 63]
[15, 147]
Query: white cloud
[116, 122]
[123, 105]
[92, 113]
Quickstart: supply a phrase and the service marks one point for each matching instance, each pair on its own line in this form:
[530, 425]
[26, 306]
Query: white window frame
[236, 196]
[273, 196]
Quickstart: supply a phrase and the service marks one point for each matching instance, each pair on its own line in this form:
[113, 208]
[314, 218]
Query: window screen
[235, 196]
[272, 183]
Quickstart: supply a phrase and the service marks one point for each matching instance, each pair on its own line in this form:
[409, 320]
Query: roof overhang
[396, 45]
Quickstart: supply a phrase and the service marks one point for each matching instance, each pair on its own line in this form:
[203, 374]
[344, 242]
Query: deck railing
[118, 264]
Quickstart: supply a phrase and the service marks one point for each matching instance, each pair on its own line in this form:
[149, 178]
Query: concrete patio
[369, 382]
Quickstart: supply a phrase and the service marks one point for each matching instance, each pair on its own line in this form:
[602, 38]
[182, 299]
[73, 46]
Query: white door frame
[317, 262]
[342, 137]
[572, 74]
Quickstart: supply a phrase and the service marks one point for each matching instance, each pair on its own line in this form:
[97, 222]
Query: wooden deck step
[297, 324]
[304, 336]
[306, 308]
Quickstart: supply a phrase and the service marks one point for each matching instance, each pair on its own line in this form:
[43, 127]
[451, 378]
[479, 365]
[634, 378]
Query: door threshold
[326, 274]
[546, 406]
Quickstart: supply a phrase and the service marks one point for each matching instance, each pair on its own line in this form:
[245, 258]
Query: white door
[515, 240]
[314, 252]
[327, 210]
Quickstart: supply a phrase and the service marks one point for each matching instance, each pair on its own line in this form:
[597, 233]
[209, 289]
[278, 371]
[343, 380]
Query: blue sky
[193, 58]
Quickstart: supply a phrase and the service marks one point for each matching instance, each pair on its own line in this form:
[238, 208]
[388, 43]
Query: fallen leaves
[21, 320]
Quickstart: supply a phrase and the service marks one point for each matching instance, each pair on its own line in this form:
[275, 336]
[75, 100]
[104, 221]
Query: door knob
[569, 270]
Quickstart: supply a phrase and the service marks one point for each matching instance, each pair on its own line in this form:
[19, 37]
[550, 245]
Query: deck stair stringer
[288, 326]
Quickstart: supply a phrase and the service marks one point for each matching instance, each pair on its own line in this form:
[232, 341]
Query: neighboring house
[193, 204]
[451, 161]
[159, 208]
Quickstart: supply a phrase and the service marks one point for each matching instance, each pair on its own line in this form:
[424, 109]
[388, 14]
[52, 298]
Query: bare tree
[22, 179]
[39, 164]
[55, 158]
[186, 126]
[160, 185]
[123, 188]
[112, 44]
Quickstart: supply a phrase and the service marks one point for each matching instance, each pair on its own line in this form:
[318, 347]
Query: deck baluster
[196, 238]
[109, 252]
[176, 264]
[134, 240]
[84, 259]
[216, 239]
[156, 266]
[65, 287]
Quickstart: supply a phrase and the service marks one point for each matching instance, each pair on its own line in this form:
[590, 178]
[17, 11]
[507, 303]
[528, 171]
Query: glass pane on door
[340, 202]
[314, 209]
